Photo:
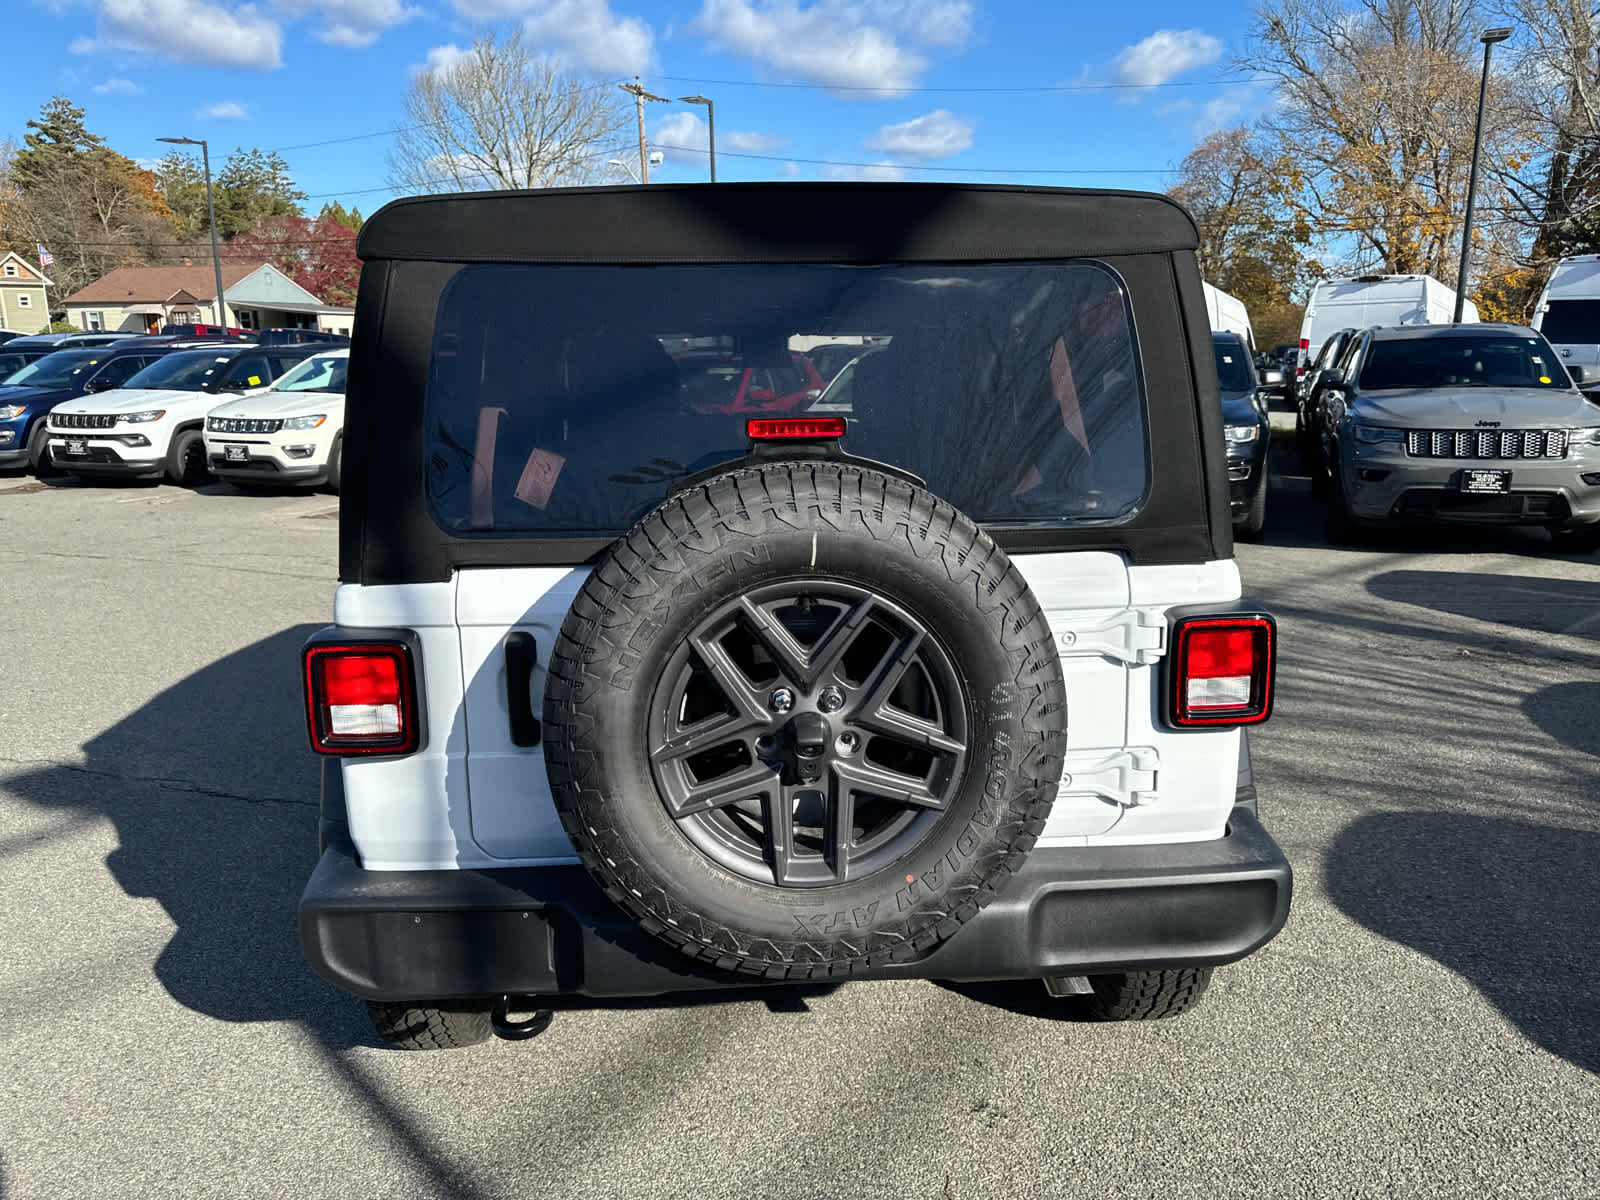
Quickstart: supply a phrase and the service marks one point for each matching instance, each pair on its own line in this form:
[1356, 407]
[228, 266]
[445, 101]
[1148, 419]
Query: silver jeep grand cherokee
[1472, 423]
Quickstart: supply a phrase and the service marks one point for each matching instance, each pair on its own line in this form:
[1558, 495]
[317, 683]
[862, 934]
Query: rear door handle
[522, 655]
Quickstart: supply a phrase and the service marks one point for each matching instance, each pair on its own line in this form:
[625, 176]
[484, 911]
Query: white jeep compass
[289, 433]
[151, 426]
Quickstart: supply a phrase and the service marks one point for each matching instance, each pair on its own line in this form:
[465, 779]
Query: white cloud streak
[226, 110]
[838, 43]
[118, 87]
[188, 31]
[939, 134]
[1164, 55]
[684, 137]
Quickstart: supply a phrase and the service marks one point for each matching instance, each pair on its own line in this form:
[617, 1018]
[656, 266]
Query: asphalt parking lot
[1427, 1024]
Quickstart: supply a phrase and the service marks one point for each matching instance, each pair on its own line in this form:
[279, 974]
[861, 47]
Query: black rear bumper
[422, 935]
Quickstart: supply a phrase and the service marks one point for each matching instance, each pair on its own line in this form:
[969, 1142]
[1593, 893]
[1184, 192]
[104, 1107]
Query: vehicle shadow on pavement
[1531, 603]
[1511, 906]
[214, 795]
[1565, 711]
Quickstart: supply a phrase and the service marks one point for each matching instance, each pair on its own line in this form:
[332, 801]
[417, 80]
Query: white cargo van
[1228, 314]
[1337, 304]
[1568, 313]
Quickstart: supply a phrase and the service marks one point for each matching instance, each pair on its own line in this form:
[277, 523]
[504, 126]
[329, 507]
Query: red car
[721, 385]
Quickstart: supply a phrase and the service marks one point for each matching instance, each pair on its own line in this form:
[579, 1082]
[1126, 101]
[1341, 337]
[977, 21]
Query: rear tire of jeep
[1338, 524]
[1147, 995]
[416, 1027]
[804, 720]
[1253, 524]
[336, 463]
[186, 459]
[39, 452]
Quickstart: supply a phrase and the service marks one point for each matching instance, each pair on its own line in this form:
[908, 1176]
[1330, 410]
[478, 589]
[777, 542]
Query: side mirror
[1334, 378]
[813, 393]
[1581, 375]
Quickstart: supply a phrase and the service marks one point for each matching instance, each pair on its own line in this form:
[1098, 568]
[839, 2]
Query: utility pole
[640, 96]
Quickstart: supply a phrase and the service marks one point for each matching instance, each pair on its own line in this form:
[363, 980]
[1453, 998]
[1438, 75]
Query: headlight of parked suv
[310, 422]
[1242, 433]
[7, 411]
[1377, 433]
[152, 414]
[1577, 437]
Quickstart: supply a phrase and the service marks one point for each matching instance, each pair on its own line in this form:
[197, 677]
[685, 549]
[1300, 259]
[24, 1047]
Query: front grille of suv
[1486, 443]
[241, 425]
[83, 420]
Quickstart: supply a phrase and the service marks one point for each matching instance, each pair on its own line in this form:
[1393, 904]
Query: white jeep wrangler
[644, 681]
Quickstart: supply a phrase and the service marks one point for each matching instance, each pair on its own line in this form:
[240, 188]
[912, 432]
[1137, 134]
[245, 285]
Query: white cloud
[226, 110]
[188, 31]
[790, 170]
[585, 32]
[939, 134]
[838, 43]
[683, 137]
[1164, 55]
[1240, 102]
[353, 23]
[118, 87]
[442, 60]
[879, 172]
[589, 34]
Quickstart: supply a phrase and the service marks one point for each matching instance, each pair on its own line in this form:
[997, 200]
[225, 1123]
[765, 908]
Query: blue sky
[993, 90]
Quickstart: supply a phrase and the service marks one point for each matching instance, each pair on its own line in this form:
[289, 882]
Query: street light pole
[211, 215]
[640, 96]
[711, 127]
[1489, 39]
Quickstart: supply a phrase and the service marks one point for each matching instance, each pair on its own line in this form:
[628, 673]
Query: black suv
[636, 689]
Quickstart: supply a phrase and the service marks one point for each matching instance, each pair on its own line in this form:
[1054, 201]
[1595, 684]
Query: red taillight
[1222, 671]
[1305, 344]
[789, 429]
[361, 699]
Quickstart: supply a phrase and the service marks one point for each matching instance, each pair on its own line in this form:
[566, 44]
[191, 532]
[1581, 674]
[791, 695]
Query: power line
[1009, 90]
[836, 162]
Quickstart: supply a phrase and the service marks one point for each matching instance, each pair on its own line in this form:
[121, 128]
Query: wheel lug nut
[831, 700]
[848, 742]
[782, 700]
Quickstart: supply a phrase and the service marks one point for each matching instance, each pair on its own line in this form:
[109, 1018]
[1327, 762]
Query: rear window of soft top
[565, 400]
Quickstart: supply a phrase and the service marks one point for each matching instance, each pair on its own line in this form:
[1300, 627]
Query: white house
[256, 296]
[24, 305]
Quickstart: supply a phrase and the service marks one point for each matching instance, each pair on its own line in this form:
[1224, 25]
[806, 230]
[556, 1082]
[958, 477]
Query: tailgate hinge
[1126, 778]
[1135, 635]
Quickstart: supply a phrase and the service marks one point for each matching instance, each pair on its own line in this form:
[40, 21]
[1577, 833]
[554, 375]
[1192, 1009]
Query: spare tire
[803, 720]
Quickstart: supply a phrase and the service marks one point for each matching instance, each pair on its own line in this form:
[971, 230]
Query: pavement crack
[179, 785]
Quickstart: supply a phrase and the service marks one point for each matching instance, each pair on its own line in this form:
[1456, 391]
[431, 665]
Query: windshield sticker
[539, 478]
[255, 381]
[1544, 379]
[1227, 358]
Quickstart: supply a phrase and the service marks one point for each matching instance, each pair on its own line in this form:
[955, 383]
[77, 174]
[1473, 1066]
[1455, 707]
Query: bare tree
[500, 116]
[1377, 104]
[1554, 188]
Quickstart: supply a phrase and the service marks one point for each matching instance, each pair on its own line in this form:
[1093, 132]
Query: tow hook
[518, 1029]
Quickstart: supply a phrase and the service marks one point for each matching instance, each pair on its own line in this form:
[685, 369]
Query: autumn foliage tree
[1242, 192]
[92, 207]
[1376, 103]
[319, 255]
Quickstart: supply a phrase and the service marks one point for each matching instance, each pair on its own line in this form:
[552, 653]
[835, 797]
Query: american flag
[45, 257]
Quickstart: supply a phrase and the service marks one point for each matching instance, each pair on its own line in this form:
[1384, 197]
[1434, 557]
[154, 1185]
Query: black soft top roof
[776, 222]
